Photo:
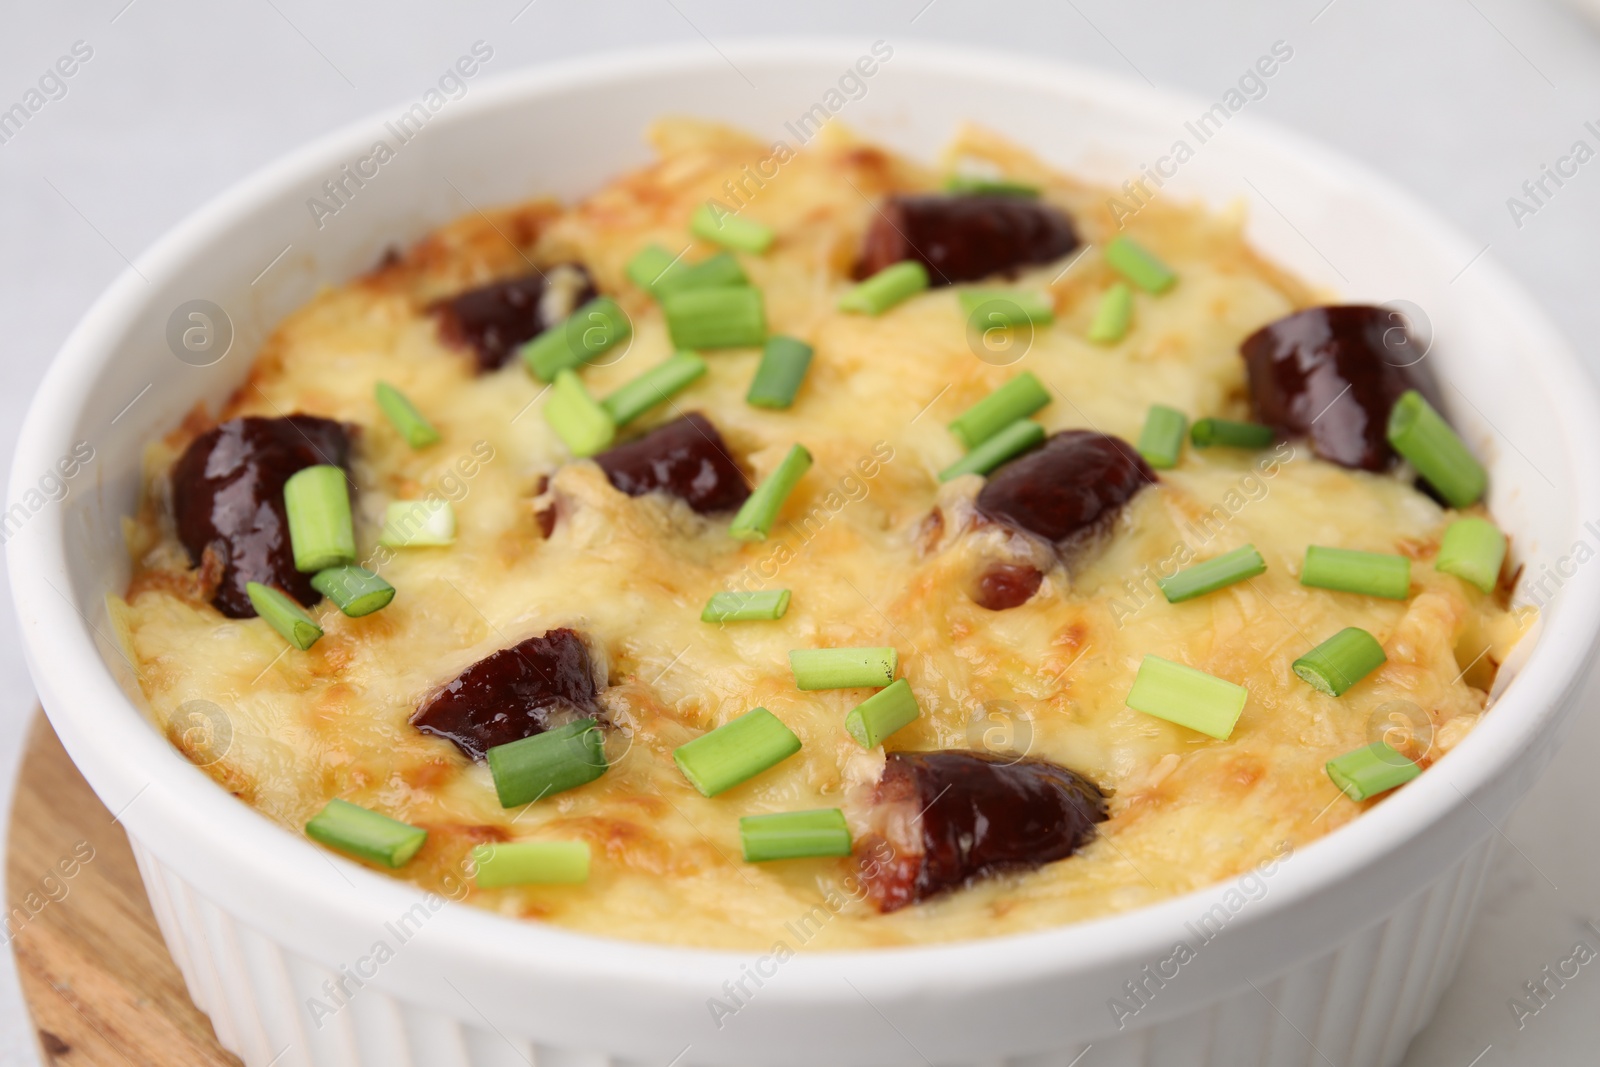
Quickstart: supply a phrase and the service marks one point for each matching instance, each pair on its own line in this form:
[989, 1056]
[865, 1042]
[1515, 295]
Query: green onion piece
[1161, 440]
[587, 332]
[1341, 661]
[1368, 771]
[317, 500]
[418, 524]
[649, 266]
[1420, 434]
[366, 834]
[1350, 571]
[1207, 432]
[794, 835]
[1188, 697]
[658, 271]
[530, 863]
[653, 387]
[882, 713]
[843, 668]
[784, 362]
[581, 422]
[1017, 399]
[549, 763]
[1012, 441]
[283, 615]
[971, 184]
[1113, 315]
[404, 416]
[723, 227]
[735, 751]
[715, 318]
[755, 518]
[720, 271]
[356, 590]
[1008, 307]
[885, 289]
[763, 605]
[1139, 265]
[1473, 550]
[1228, 568]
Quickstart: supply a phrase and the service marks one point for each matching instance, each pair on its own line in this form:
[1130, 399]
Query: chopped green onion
[974, 185]
[1420, 434]
[549, 763]
[1161, 440]
[723, 227]
[784, 362]
[356, 590]
[418, 524]
[843, 668]
[755, 518]
[1473, 550]
[1368, 771]
[366, 834]
[721, 271]
[587, 332]
[649, 266]
[1208, 432]
[1139, 265]
[1350, 571]
[530, 863]
[1008, 307]
[653, 387]
[1113, 315]
[1228, 568]
[885, 289]
[794, 835]
[283, 615]
[715, 318]
[1188, 697]
[1017, 399]
[404, 416]
[762, 605]
[735, 751]
[882, 713]
[1341, 661]
[1012, 441]
[317, 500]
[658, 271]
[578, 419]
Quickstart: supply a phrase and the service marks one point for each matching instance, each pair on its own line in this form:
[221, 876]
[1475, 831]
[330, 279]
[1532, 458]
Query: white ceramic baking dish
[1338, 955]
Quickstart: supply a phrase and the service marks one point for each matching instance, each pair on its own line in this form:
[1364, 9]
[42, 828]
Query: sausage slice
[953, 817]
[1332, 374]
[964, 238]
[686, 458]
[227, 496]
[1076, 482]
[492, 320]
[513, 693]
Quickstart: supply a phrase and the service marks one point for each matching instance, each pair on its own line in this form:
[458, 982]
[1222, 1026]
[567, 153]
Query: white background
[1459, 100]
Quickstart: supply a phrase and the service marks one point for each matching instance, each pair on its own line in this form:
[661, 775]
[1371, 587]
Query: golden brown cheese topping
[1020, 605]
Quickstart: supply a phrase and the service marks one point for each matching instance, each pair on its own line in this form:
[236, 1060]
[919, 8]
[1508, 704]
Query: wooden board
[94, 970]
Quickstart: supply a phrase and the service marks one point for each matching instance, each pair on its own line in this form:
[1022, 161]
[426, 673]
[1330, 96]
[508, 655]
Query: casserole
[1350, 941]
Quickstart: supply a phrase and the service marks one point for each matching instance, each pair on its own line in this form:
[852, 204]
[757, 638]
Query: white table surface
[1460, 100]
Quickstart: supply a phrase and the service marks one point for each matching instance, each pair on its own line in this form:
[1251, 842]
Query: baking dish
[1336, 953]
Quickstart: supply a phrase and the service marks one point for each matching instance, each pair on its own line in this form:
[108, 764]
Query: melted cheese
[854, 544]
